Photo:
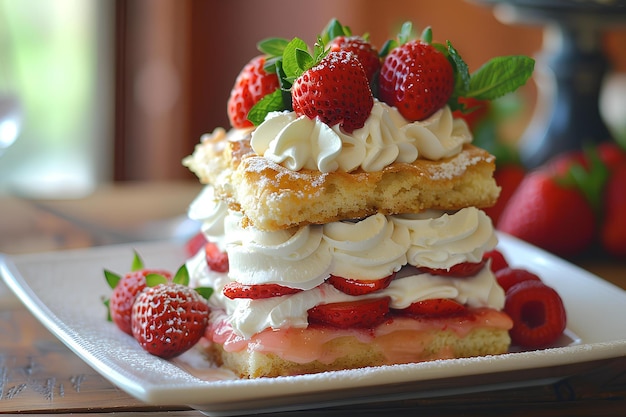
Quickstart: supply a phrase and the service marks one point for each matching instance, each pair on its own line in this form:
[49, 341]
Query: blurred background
[122, 90]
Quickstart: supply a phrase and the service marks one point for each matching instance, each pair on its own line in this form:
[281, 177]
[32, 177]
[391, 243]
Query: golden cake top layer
[272, 197]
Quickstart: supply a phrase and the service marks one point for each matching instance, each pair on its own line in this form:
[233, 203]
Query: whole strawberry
[336, 90]
[613, 228]
[416, 78]
[252, 84]
[169, 317]
[364, 51]
[125, 290]
[549, 214]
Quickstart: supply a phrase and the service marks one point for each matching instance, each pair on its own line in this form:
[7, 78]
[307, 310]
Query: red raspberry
[537, 312]
[508, 277]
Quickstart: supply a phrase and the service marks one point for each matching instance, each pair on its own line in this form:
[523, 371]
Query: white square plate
[64, 290]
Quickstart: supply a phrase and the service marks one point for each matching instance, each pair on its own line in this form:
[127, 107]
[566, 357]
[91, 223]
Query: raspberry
[507, 277]
[537, 312]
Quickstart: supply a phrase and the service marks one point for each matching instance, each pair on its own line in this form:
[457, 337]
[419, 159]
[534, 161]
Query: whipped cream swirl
[386, 137]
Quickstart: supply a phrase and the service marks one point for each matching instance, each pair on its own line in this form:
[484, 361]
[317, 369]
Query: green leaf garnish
[205, 292]
[500, 76]
[181, 276]
[153, 279]
[272, 47]
[112, 278]
[107, 303]
[291, 60]
[269, 103]
[137, 262]
[461, 75]
[333, 30]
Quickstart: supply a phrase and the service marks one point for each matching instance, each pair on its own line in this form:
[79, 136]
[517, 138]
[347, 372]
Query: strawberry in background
[572, 203]
[551, 213]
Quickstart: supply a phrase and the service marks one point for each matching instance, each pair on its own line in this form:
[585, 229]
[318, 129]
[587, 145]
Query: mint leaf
[273, 47]
[500, 76]
[269, 103]
[333, 30]
[290, 58]
[304, 60]
[461, 71]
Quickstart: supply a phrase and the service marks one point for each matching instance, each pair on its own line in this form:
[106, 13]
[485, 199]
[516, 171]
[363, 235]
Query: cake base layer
[400, 340]
[272, 197]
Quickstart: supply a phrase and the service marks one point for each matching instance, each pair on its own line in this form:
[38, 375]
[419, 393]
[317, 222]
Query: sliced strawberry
[462, 270]
[537, 312]
[362, 313]
[359, 287]
[234, 290]
[508, 277]
[437, 307]
[498, 261]
[195, 243]
[215, 258]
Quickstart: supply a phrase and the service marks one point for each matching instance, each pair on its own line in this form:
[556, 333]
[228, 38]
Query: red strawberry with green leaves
[359, 286]
[335, 90]
[340, 38]
[420, 77]
[234, 290]
[351, 314]
[125, 290]
[252, 84]
[538, 314]
[169, 317]
[460, 270]
[551, 213]
[613, 226]
[436, 307]
[417, 79]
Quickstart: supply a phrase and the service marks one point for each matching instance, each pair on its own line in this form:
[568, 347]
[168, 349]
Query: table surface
[40, 376]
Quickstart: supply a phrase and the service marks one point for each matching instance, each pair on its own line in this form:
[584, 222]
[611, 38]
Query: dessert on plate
[342, 208]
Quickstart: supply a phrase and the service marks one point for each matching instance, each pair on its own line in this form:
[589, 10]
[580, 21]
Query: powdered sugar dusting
[454, 168]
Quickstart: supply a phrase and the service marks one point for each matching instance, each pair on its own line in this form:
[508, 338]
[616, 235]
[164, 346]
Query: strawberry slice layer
[215, 258]
[438, 307]
[234, 290]
[359, 287]
[361, 313]
[462, 270]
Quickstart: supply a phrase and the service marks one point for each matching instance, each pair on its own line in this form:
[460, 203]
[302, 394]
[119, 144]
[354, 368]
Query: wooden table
[40, 376]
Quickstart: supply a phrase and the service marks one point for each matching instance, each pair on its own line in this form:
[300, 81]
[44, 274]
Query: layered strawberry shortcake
[344, 226]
